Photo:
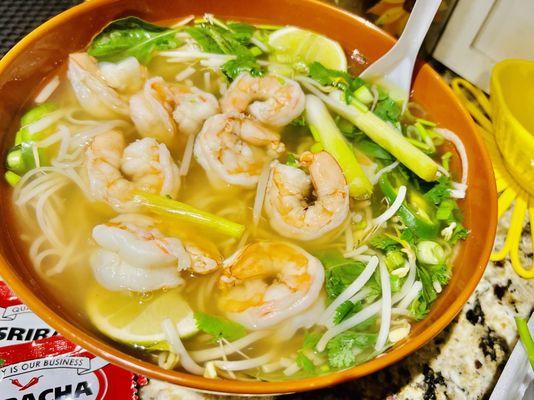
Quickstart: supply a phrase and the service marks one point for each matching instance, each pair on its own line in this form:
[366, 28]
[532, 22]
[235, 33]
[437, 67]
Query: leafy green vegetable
[419, 307]
[388, 110]
[344, 81]
[428, 274]
[345, 310]
[340, 272]
[233, 68]
[459, 233]
[440, 191]
[234, 39]
[304, 362]
[371, 149]
[385, 243]
[440, 273]
[219, 327]
[342, 349]
[132, 37]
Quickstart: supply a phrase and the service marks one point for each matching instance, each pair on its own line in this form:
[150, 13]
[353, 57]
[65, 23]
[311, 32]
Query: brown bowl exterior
[23, 69]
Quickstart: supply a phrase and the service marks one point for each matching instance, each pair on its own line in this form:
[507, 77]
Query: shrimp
[266, 283]
[307, 207]
[161, 109]
[233, 149]
[272, 99]
[135, 255]
[114, 170]
[93, 92]
[126, 76]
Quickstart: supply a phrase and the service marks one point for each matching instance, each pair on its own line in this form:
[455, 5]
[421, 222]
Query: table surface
[463, 362]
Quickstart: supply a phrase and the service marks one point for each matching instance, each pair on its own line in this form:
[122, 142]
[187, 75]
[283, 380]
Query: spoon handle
[418, 23]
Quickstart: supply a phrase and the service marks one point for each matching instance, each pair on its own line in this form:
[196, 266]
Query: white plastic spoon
[394, 69]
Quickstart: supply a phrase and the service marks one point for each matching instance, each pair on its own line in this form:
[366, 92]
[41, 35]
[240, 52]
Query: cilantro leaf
[440, 273]
[219, 327]
[342, 349]
[340, 272]
[345, 310]
[440, 191]
[338, 79]
[234, 39]
[459, 233]
[388, 110]
[384, 243]
[419, 307]
[131, 36]
[233, 68]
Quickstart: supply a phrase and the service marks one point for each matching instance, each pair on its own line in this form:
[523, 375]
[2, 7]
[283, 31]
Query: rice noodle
[385, 319]
[411, 295]
[242, 365]
[385, 170]
[47, 90]
[392, 210]
[188, 155]
[261, 189]
[231, 348]
[452, 137]
[326, 318]
[171, 334]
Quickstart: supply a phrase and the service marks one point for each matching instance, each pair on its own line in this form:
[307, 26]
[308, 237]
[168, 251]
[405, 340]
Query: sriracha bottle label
[18, 324]
[55, 368]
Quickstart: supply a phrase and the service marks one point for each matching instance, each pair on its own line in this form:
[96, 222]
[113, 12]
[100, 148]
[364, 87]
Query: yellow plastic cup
[512, 100]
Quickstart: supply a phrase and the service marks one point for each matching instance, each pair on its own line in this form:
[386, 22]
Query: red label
[55, 368]
[18, 324]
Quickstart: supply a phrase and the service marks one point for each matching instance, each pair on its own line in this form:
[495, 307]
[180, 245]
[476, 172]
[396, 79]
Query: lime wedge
[131, 319]
[294, 45]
